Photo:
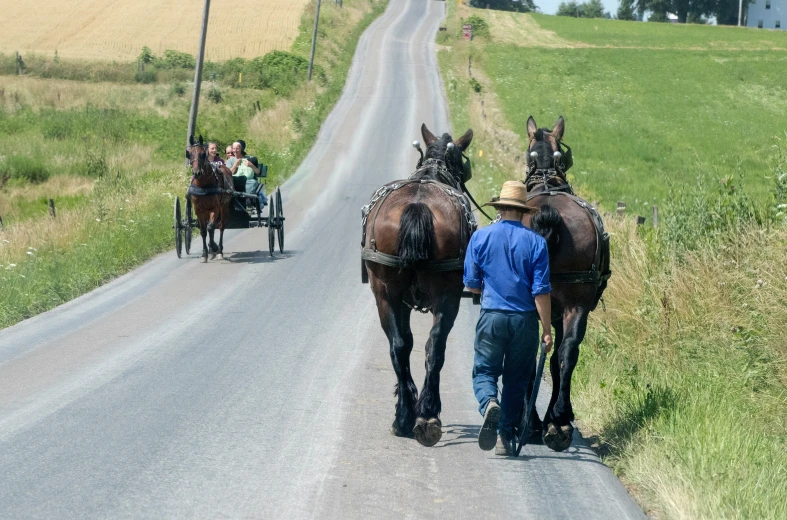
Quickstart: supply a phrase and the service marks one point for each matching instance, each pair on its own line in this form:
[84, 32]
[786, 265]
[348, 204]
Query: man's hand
[547, 339]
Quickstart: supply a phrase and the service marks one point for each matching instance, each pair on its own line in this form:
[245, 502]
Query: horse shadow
[258, 257]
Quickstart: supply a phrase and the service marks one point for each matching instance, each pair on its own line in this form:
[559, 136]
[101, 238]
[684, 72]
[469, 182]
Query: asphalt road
[261, 388]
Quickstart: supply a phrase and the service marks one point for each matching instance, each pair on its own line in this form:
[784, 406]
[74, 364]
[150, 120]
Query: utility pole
[198, 73]
[740, 12]
[314, 39]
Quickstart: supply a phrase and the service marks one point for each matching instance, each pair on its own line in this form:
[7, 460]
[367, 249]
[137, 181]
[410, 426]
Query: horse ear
[560, 126]
[531, 127]
[464, 142]
[428, 136]
[200, 139]
[188, 155]
[191, 140]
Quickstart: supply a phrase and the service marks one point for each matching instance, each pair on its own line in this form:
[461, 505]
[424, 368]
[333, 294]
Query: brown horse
[210, 192]
[415, 235]
[579, 267]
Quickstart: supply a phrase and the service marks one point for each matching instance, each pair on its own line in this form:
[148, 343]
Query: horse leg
[211, 230]
[559, 430]
[222, 225]
[395, 320]
[203, 231]
[428, 426]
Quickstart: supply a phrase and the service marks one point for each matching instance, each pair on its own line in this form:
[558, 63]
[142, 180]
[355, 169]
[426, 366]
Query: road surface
[262, 388]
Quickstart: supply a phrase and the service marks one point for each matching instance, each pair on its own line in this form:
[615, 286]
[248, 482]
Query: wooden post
[314, 40]
[470, 65]
[655, 216]
[52, 208]
[621, 210]
[640, 220]
[1, 222]
[18, 64]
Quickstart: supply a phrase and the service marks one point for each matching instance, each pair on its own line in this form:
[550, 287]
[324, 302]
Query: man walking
[508, 264]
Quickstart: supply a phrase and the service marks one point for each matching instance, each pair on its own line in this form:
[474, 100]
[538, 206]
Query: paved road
[262, 388]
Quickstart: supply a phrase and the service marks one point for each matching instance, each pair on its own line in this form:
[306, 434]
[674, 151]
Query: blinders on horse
[467, 168]
[563, 160]
[201, 157]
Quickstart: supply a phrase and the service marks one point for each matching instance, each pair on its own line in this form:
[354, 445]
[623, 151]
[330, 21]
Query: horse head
[197, 156]
[545, 150]
[450, 152]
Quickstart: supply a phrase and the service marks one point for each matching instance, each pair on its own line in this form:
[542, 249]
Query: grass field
[682, 380]
[115, 30]
[110, 154]
[645, 109]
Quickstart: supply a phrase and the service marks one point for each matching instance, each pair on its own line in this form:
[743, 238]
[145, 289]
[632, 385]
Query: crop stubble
[117, 30]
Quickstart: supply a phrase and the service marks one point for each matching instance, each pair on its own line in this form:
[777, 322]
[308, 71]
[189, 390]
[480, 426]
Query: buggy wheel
[280, 220]
[178, 228]
[187, 229]
[271, 231]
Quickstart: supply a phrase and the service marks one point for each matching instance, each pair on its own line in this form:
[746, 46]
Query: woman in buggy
[245, 170]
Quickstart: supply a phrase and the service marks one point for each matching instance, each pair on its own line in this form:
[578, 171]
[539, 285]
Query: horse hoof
[213, 256]
[204, 259]
[558, 438]
[221, 257]
[398, 431]
[428, 432]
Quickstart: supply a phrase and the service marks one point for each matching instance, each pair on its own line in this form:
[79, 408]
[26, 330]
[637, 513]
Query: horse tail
[546, 223]
[416, 234]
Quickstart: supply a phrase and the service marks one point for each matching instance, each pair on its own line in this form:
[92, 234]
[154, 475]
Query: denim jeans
[506, 344]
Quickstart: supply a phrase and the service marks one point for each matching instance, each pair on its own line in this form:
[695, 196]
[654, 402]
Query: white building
[768, 14]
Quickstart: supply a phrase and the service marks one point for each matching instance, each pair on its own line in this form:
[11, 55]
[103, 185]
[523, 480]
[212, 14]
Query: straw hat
[512, 195]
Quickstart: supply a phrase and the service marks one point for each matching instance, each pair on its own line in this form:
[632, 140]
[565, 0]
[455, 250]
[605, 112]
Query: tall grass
[682, 379]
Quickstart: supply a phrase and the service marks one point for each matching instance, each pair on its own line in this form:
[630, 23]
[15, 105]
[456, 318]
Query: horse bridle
[545, 175]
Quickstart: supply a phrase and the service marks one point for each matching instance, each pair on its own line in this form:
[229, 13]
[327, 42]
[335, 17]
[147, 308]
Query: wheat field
[118, 29]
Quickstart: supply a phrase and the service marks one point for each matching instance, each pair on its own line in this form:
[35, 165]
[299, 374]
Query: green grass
[638, 118]
[616, 33]
[682, 380]
[112, 239]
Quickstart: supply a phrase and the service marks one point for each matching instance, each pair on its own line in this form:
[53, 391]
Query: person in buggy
[245, 169]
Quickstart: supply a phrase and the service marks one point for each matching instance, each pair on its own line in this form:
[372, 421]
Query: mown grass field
[111, 156]
[111, 30]
[682, 380]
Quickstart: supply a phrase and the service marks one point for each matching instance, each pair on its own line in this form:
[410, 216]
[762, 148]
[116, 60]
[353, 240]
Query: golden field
[117, 30]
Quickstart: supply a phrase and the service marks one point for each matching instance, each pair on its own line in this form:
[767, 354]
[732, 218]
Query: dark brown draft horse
[210, 191]
[415, 236]
[579, 267]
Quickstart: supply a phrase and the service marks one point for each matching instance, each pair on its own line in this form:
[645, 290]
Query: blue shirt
[511, 263]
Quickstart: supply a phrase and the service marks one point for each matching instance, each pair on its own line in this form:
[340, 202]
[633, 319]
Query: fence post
[1, 223]
[470, 65]
[621, 209]
[655, 216]
[18, 64]
[52, 208]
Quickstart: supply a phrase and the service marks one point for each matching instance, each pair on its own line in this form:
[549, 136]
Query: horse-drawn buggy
[216, 199]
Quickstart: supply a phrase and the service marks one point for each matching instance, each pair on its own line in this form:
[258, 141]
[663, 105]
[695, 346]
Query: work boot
[505, 445]
[488, 434]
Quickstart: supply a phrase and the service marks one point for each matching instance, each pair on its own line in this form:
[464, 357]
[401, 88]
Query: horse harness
[468, 223]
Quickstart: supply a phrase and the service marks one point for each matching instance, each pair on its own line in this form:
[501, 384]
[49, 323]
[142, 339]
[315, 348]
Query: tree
[523, 6]
[589, 9]
[570, 9]
[626, 10]
[593, 9]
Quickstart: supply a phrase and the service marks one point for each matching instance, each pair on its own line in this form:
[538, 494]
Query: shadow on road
[258, 257]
